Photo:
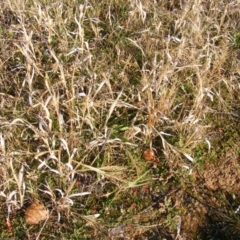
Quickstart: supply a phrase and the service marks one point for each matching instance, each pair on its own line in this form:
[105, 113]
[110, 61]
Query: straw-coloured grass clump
[120, 118]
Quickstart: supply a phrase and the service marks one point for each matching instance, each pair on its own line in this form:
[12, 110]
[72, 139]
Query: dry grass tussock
[87, 86]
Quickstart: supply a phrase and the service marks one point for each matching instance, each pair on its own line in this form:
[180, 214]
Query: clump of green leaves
[237, 40]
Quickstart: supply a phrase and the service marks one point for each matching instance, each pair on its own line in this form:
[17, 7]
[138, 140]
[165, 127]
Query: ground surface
[119, 119]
